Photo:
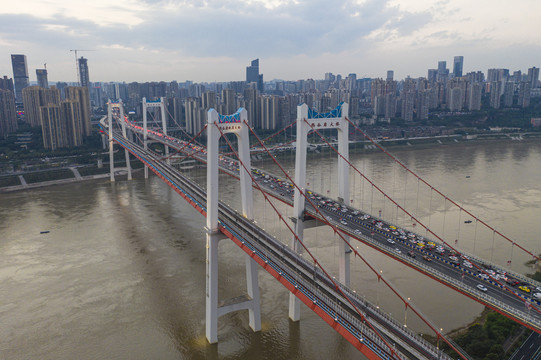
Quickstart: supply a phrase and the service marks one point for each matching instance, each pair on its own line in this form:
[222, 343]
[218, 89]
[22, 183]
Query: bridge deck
[307, 282]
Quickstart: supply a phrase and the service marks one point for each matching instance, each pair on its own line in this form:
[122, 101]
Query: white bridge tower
[118, 108]
[308, 119]
[236, 124]
[154, 104]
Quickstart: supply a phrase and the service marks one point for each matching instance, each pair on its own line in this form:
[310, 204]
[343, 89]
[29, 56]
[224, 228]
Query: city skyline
[146, 40]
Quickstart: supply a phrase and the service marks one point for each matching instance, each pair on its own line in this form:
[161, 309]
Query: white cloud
[190, 39]
[100, 12]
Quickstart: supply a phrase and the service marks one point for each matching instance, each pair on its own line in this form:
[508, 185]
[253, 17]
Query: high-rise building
[508, 93]
[6, 83]
[61, 121]
[533, 77]
[524, 94]
[52, 127]
[20, 75]
[253, 75]
[474, 100]
[195, 116]
[35, 97]
[351, 82]
[497, 75]
[42, 78]
[432, 75]
[208, 100]
[377, 88]
[458, 66]
[443, 72]
[250, 104]
[229, 101]
[389, 110]
[84, 78]
[495, 94]
[82, 95]
[8, 116]
[390, 75]
[455, 99]
[175, 111]
[516, 77]
[478, 76]
[73, 122]
[269, 108]
[408, 99]
[423, 104]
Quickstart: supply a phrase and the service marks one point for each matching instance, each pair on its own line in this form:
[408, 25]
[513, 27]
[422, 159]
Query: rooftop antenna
[77, 64]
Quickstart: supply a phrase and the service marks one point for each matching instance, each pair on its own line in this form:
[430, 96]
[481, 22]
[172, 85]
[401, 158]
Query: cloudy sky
[214, 40]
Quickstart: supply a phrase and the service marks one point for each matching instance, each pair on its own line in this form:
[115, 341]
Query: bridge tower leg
[126, 152]
[235, 124]
[306, 119]
[343, 193]
[164, 127]
[145, 133]
[111, 155]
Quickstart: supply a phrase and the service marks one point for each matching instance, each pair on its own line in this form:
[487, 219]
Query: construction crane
[77, 64]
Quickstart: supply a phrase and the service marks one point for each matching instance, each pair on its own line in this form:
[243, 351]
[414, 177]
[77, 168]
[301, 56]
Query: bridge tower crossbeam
[306, 120]
[120, 106]
[236, 124]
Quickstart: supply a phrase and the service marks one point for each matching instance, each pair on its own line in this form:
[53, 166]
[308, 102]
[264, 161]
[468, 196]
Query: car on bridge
[524, 288]
[482, 287]
[512, 281]
[390, 241]
[427, 258]
[411, 253]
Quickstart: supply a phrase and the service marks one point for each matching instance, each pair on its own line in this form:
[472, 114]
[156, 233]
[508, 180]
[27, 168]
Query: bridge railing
[458, 284]
[467, 289]
[361, 331]
[516, 275]
[377, 312]
[477, 293]
[399, 327]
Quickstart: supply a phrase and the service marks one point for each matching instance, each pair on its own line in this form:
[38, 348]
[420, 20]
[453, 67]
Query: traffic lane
[530, 349]
[271, 186]
[457, 273]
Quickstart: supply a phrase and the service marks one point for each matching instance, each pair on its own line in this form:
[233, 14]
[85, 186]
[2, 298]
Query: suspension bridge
[364, 325]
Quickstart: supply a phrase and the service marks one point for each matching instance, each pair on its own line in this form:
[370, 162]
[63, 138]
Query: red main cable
[414, 218]
[300, 242]
[433, 188]
[378, 274]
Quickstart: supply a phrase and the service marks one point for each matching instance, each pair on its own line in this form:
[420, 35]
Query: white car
[397, 250]
[482, 288]
[537, 295]
[390, 241]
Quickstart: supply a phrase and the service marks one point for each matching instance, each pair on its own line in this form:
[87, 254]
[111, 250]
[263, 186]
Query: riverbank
[24, 185]
[18, 182]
